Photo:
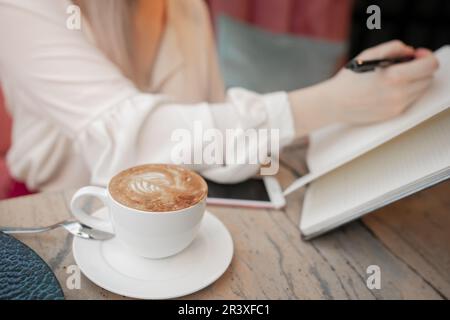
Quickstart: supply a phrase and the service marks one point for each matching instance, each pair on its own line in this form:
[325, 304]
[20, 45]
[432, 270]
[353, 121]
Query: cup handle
[83, 216]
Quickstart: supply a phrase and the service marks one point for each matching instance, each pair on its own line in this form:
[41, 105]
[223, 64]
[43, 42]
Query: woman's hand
[385, 93]
[359, 98]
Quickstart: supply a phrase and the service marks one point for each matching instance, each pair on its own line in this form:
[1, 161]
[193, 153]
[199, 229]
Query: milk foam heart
[158, 188]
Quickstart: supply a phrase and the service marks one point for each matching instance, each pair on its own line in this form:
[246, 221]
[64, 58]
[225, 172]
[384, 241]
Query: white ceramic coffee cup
[145, 233]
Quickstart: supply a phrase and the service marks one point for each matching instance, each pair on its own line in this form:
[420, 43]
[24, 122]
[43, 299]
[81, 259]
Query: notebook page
[332, 147]
[403, 162]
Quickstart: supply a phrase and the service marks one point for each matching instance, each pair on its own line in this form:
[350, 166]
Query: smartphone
[254, 193]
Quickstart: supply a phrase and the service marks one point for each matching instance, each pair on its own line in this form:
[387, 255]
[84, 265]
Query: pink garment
[5, 127]
[9, 187]
[326, 19]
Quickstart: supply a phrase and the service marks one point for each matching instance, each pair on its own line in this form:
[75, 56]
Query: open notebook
[355, 170]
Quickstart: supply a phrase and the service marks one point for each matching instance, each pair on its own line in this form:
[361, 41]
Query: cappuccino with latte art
[158, 188]
[154, 209]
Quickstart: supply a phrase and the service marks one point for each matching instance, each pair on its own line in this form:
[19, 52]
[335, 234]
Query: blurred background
[269, 45]
[301, 42]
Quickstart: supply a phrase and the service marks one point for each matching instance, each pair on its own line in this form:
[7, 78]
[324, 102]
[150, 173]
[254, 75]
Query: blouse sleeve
[88, 109]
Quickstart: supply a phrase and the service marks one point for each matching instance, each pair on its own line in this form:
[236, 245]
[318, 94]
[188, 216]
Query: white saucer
[109, 265]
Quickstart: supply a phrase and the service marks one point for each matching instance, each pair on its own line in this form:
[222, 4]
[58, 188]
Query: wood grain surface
[409, 240]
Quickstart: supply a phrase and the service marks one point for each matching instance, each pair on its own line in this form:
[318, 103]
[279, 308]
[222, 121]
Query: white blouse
[77, 120]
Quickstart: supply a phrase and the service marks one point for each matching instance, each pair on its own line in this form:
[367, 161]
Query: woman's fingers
[423, 66]
[388, 49]
[385, 93]
[418, 88]
[402, 98]
[422, 52]
[412, 92]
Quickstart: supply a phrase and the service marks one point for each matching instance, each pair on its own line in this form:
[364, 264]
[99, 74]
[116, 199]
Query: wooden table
[409, 240]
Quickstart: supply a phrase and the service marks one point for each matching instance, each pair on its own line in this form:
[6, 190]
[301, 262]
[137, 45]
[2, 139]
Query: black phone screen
[252, 189]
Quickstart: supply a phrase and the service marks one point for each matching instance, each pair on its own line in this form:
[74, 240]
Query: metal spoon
[74, 227]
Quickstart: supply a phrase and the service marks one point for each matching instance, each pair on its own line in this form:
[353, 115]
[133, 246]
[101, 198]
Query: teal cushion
[262, 61]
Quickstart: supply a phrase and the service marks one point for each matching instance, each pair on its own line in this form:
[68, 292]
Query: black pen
[358, 65]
